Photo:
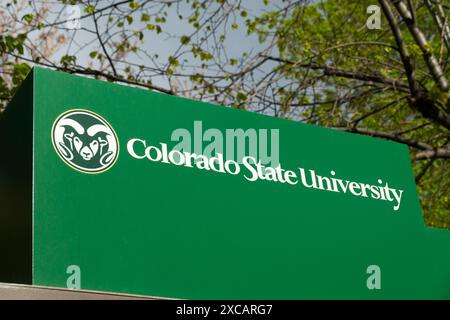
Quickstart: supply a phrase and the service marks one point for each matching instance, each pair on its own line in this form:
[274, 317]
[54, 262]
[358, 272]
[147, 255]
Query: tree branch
[99, 37]
[427, 151]
[404, 55]
[389, 136]
[443, 153]
[332, 71]
[424, 170]
[113, 78]
[442, 25]
[110, 77]
[418, 99]
[419, 37]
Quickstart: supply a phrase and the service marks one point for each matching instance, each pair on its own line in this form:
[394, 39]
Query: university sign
[256, 171]
[107, 187]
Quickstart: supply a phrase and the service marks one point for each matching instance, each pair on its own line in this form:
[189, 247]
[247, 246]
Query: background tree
[308, 61]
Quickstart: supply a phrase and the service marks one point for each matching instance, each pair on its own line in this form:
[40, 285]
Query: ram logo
[85, 141]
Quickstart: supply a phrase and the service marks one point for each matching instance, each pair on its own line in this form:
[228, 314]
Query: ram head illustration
[87, 146]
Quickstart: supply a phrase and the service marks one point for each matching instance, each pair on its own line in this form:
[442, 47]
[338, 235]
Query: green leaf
[89, 9]
[134, 5]
[241, 96]
[205, 55]
[185, 40]
[173, 61]
[10, 43]
[160, 19]
[20, 72]
[68, 59]
[194, 17]
[195, 77]
[28, 18]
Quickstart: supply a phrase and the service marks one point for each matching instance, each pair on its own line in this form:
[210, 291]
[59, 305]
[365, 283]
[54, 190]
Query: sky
[163, 44]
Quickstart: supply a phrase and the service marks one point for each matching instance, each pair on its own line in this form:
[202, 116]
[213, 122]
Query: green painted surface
[151, 228]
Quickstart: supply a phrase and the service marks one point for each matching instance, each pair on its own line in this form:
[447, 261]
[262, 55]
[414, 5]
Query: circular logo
[85, 141]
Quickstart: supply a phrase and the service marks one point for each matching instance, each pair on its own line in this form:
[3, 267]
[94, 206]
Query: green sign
[107, 187]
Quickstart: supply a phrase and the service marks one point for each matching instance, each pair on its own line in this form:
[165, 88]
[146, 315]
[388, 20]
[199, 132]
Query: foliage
[312, 61]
